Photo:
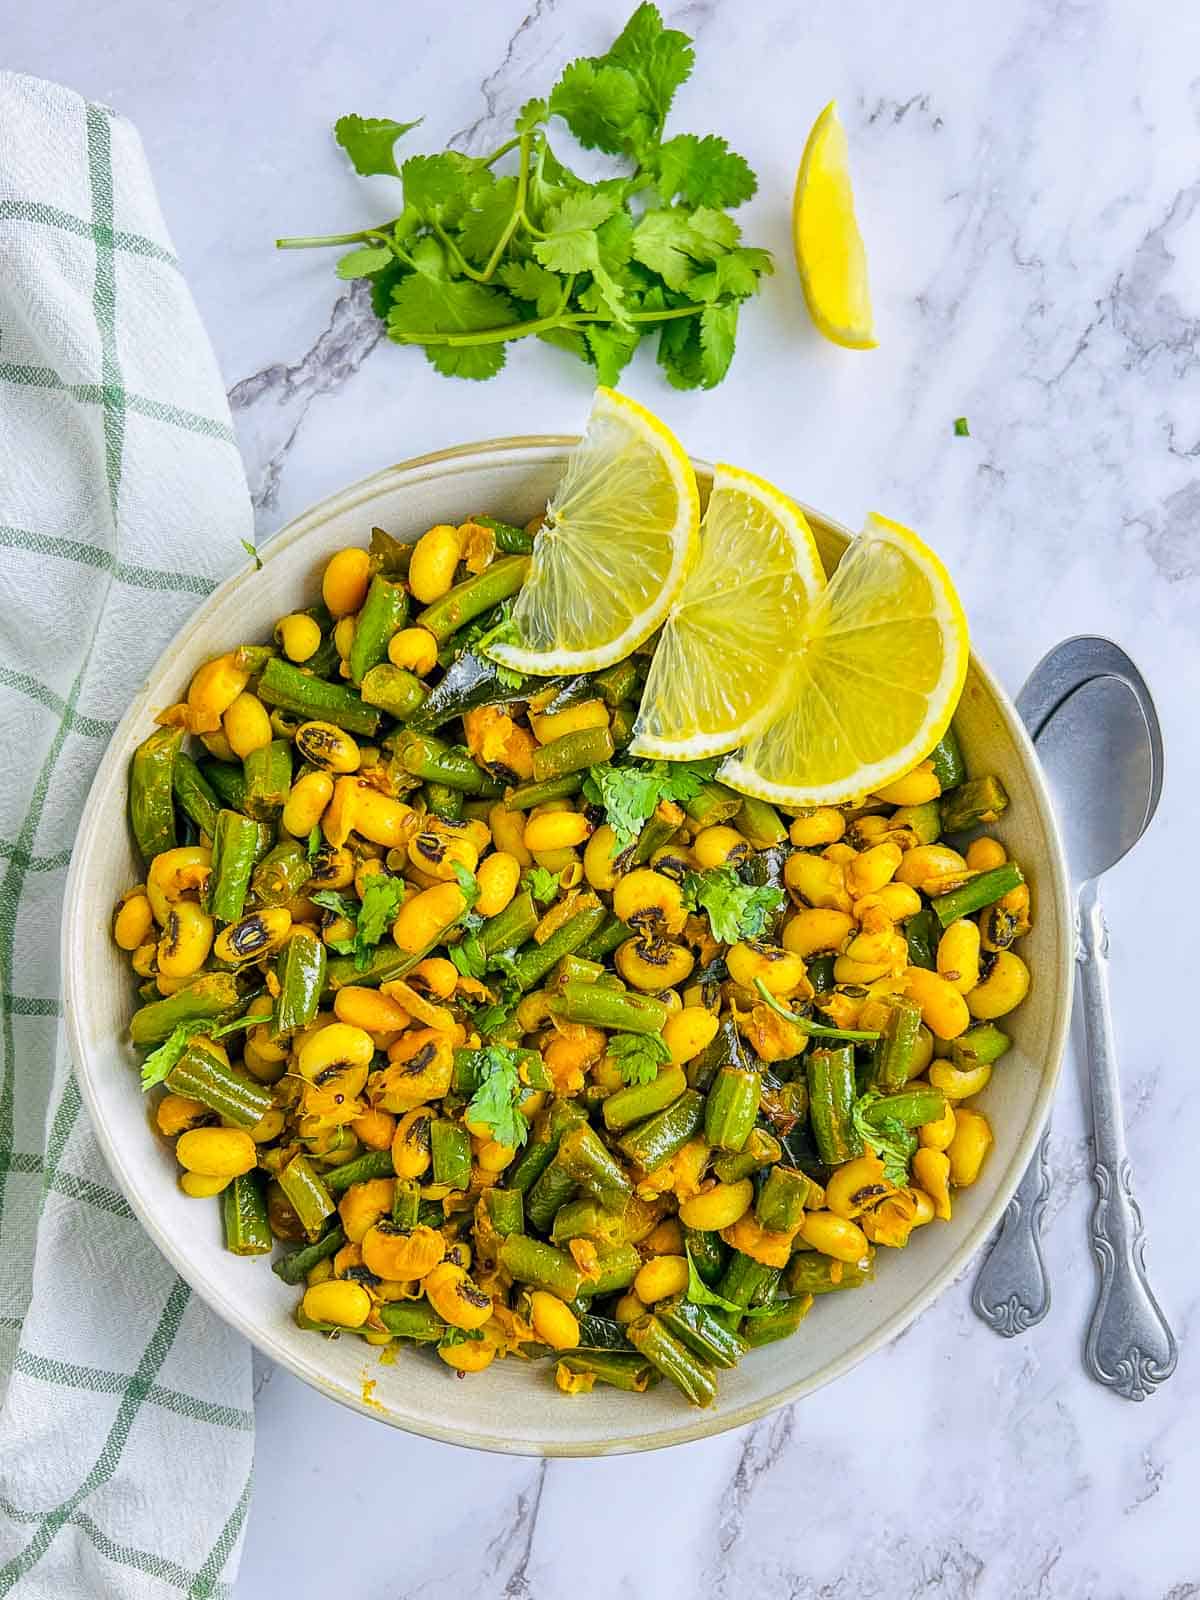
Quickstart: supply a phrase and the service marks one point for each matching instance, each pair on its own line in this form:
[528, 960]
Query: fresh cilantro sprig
[382, 898]
[161, 1062]
[513, 244]
[700, 1294]
[628, 794]
[498, 1094]
[542, 884]
[639, 1055]
[891, 1141]
[735, 910]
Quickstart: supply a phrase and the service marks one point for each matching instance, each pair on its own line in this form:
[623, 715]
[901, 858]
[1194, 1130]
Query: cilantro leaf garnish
[510, 244]
[891, 1141]
[498, 1094]
[382, 898]
[628, 794]
[159, 1063]
[735, 910]
[252, 552]
[542, 884]
[315, 841]
[639, 1055]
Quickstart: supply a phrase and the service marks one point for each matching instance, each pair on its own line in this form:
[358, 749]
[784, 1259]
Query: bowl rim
[123, 1161]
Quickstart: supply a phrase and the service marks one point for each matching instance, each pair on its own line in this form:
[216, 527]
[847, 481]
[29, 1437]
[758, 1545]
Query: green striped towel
[126, 1430]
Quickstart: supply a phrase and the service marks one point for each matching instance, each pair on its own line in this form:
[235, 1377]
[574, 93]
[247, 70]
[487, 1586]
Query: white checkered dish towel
[126, 1429]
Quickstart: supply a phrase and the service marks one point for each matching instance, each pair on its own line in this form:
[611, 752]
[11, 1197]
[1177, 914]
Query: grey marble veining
[1029, 186]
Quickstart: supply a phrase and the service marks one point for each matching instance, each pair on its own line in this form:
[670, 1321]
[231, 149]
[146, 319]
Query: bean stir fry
[525, 1047]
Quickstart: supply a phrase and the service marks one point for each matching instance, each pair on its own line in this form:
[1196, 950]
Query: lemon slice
[609, 560]
[879, 667]
[829, 247]
[721, 663]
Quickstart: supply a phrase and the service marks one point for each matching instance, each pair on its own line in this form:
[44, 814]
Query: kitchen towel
[126, 1428]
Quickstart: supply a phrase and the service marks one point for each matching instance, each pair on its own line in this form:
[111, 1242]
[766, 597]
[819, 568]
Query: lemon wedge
[879, 666]
[720, 666]
[610, 558]
[829, 247]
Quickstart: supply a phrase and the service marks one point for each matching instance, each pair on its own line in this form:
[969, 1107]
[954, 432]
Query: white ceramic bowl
[515, 1407]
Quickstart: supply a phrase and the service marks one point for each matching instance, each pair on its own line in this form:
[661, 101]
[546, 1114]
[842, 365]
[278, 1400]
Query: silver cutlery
[1097, 735]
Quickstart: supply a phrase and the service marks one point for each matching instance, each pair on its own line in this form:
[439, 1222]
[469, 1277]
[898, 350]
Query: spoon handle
[1129, 1346]
[1012, 1291]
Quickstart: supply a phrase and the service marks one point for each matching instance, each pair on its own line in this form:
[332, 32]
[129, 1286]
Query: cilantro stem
[309, 241]
[803, 1025]
[518, 211]
[522, 330]
[501, 150]
[456, 255]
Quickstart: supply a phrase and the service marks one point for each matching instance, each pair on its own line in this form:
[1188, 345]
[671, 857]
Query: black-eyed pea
[841, 853]
[144, 960]
[872, 868]
[413, 649]
[857, 1185]
[306, 802]
[472, 1355]
[434, 560]
[599, 859]
[508, 832]
[327, 747]
[319, 1272]
[555, 830]
[913, 789]
[819, 826]
[212, 691]
[660, 1278]
[782, 971]
[299, 636]
[268, 1127]
[925, 864]
[967, 1150]
[497, 878]
[253, 936]
[834, 1236]
[186, 940]
[345, 580]
[665, 1238]
[1004, 986]
[362, 1205]
[898, 900]
[439, 857]
[133, 920]
[816, 882]
[984, 853]
[411, 1143]
[262, 1059]
[374, 1130]
[958, 1083]
[202, 1185]
[931, 1169]
[655, 966]
[943, 1010]
[713, 847]
[937, 1135]
[958, 955]
[337, 1045]
[436, 975]
[553, 1321]
[716, 1206]
[216, 1152]
[424, 917]
[176, 873]
[628, 1308]
[369, 1010]
[689, 1031]
[456, 1298]
[339, 1301]
[176, 1113]
[922, 1207]
[343, 641]
[812, 931]
[922, 1052]
[246, 724]
[649, 902]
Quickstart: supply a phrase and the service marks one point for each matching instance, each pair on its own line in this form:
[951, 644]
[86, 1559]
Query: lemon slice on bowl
[721, 663]
[879, 666]
[829, 247]
[609, 560]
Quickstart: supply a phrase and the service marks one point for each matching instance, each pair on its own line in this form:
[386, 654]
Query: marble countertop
[1029, 187]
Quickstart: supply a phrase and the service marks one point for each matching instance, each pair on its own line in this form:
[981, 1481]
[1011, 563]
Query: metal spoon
[1101, 746]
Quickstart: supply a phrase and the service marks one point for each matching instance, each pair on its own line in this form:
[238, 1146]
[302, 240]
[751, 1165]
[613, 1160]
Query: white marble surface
[1029, 184]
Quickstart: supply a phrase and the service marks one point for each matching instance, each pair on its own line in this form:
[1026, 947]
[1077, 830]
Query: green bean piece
[760, 823]
[573, 752]
[389, 554]
[228, 783]
[616, 683]
[622, 725]
[451, 1147]
[661, 825]
[374, 1164]
[618, 1265]
[724, 1050]
[268, 779]
[779, 1207]
[386, 962]
[911, 1108]
[747, 1282]
[541, 1149]
[205, 1000]
[611, 933]
[573, 969]
[281, 874]
[731, 1107]
[707, 1251]
[984, 1043]
[194, 793]
[831, 1089]
[286, 686]
[778, 1321]
[713, 803]
[760, 1150]
[510, 927]
[443, 802]
[535, 960]
[474, 596]
[978, 800]
[624, 1107]
[253, 658]
[949, 768]
[308, 1194]
[412, 1319]
[586, 1218]
[654, 1142]
[697, 1328]
[921, 935]
[431, 1215]
[233, 1095]
[393, 689]
[820, 973]
[384, 612]
[294, 1267]
[977, 892]
[300, 969]
[234, 841]
[896, 1048]
[925, 820]
[582, 1001]
[151, 792]
[423, 756]
[505, 1209]
[527, 795]
[244, 1213]
[512, 540]
[691, 1376]
[406, 1204]
[540, 1265]
[812, 1273]
[554, 1187]
[583, 1156]
[621, 1369]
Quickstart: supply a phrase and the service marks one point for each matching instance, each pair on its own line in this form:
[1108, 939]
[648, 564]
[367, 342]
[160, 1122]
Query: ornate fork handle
[1012, 1291]
[1129, 1346]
